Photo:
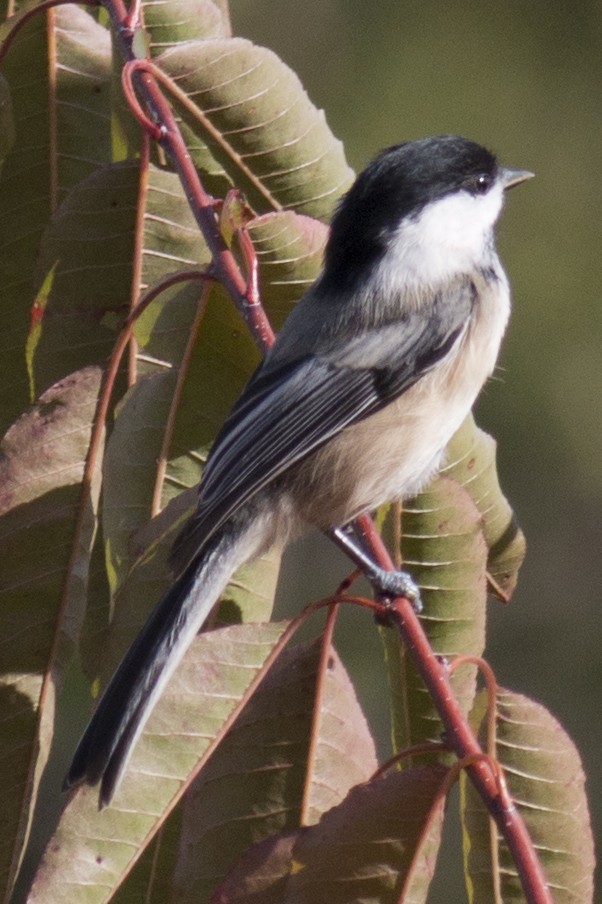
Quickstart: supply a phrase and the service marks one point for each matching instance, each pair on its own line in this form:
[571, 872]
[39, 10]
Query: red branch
[146, 79]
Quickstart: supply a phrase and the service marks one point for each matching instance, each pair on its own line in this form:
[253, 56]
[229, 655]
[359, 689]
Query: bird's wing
[290, 409]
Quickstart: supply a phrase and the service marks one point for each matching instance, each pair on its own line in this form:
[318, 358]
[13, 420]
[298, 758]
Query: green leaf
[42, 589]
[290, 250]
[91, 852]
[61, 113]
[83, 72]
[90, 245]
[370, 849]
[170, 242]
[253, 786]
[151, 879]
[170, 24]
[444, 550]
[259, 124]
[545, 778]
[471, 461]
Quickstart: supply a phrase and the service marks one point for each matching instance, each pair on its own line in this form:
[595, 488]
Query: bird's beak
[511, 177]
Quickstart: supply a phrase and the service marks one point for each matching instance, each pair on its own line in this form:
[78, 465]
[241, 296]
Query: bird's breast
[393, 453]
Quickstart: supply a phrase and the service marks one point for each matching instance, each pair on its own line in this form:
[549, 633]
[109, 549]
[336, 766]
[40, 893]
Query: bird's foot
[392, 584]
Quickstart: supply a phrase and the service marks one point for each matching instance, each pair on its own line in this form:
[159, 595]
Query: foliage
[253, 779]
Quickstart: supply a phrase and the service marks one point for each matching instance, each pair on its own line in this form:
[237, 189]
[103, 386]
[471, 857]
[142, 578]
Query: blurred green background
[525, 79]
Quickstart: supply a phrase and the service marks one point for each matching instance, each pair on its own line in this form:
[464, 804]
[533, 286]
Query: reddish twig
[414, 750]
[491, 685]
[162, 124]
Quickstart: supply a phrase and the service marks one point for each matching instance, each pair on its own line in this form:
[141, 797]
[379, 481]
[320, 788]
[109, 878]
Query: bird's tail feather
[124, 707]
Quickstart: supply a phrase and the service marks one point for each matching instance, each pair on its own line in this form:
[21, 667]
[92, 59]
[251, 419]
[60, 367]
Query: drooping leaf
[259, 124]
[90, 244]
[83, 68]
[545, 778]
[41, 464]
[443, 548]
[92, 851]
[254, 785]
[471, 461]
[370, 848]
[61, 116]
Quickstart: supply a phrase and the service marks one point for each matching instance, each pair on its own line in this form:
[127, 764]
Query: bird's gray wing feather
[291, 408]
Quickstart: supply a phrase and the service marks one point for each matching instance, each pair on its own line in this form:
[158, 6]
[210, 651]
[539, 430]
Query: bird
[353, 406]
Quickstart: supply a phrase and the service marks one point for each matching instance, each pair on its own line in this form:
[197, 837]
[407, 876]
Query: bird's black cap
[396, 184]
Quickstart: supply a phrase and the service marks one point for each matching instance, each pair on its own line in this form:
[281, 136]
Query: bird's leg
[386, 583]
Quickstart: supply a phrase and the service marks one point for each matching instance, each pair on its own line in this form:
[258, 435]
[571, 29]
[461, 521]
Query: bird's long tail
[121, 714]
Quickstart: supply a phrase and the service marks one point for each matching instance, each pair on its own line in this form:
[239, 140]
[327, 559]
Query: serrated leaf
[259, 124]
[368, 849]
[92, 851]
[61, 110]
[444, 550]
[545, 779]
[253, 787]
[41, 465]
[471, 461]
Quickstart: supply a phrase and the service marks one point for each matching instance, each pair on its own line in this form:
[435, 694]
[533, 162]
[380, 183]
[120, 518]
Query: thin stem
[414, 750]
[491, 685]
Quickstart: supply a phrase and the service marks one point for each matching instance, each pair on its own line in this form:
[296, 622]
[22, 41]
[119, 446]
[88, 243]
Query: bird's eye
[482, 183]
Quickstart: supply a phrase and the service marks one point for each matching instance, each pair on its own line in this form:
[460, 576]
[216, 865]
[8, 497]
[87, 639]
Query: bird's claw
[392, 584]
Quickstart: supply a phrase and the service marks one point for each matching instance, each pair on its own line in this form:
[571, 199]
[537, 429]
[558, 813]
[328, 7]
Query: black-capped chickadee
[353, 406]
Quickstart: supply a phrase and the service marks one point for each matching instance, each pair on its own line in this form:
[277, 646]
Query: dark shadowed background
[524, 79]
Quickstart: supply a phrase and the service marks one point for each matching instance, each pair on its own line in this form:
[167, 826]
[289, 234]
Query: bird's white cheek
[448, 237]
